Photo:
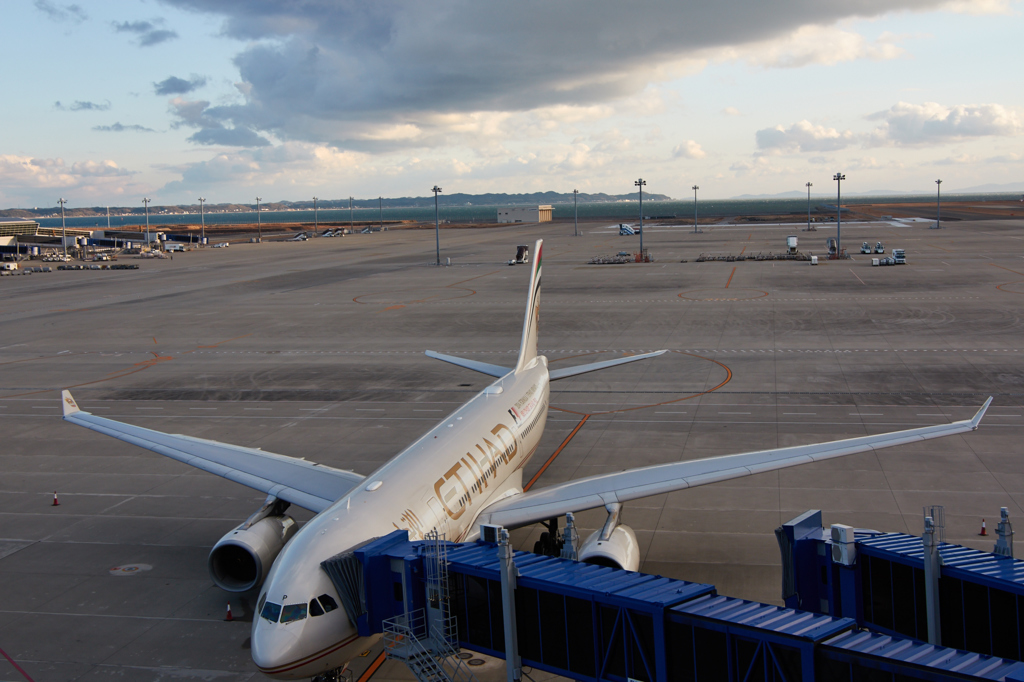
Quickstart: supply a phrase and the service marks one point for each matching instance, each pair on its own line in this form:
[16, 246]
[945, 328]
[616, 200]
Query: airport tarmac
[315, 349]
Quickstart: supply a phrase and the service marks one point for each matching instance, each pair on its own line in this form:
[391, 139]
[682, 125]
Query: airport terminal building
[525, 214]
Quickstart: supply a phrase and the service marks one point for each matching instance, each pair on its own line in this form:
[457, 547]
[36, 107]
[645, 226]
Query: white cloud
[25, 180]
[286, 165]
[958, 160]
[931, 123]
[812, 44]
[803, 136]
[731, 111]
[1006, 158]
[758, 166]
[332, 73]
[979, 7]
[688, 150]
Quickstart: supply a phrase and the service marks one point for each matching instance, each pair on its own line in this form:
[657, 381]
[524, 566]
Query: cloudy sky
[107, 102]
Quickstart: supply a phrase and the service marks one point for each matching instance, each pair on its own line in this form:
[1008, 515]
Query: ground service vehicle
[879, 248]
[865, 248]
[899, 257]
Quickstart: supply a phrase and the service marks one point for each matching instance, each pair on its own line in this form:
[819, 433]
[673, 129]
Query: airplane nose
[273, 647]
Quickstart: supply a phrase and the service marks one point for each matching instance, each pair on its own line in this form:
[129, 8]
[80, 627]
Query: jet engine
[241, 559]
[614, 545]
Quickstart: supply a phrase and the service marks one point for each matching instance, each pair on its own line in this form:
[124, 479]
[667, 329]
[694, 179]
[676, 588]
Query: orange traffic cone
[228, 616]
[55, 502]
[983, 531]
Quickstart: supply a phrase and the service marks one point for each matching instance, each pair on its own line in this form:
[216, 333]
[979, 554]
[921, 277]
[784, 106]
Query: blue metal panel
[584, 581]
[759, 638]
[611, 624]
[904, 656]
[775, 619]
[1003, 573]
[376, 558]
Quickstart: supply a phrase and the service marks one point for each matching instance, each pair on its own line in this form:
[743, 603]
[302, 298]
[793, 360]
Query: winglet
[976, 420]
[68, 403]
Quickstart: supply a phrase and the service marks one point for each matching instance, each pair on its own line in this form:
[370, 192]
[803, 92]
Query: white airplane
[465, 471]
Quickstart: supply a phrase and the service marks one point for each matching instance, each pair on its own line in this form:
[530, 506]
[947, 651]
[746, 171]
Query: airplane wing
[556, 374]
[475, 365]
[310, 486]
[623, 486]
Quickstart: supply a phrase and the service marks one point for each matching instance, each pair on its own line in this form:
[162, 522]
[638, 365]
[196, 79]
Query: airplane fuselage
[441, 481]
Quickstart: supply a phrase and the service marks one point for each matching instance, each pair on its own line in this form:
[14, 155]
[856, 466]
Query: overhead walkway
[593, 623]
[880, 583]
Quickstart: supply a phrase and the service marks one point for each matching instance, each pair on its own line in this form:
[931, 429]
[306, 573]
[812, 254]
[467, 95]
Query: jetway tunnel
[592, 623]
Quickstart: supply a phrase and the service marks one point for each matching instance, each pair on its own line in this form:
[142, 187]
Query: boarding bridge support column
[1004, 534]
[930, 544]
[570, 538]
[513, 663]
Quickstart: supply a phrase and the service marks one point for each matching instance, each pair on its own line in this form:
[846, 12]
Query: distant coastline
[613, 211]
[444, 200]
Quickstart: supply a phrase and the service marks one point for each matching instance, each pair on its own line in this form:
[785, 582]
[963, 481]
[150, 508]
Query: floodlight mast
[695, 188]
[809, 185]
[351, 223]
[640, 184]
[202, 218]
[63, 227]
[938, 204]
[437, 225]
[575, 213]
[380, 207]
[316, 222]
[146, 202]
[839, 177]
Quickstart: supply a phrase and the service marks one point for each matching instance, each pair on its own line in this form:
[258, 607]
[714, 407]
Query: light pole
[146, 202]
[938, 204]
[809, 185]
[202, 218]
[839, 177]
[640, 185]
[575, 213]
[259, 221]
[351, 224]
[695, 188]
[63, 228]
[380, 207]
[316, 223]
[437, 226]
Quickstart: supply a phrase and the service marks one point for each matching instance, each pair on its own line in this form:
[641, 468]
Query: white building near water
[525, 214]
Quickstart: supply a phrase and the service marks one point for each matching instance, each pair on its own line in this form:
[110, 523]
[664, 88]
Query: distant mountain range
[457, 199]
[977, 189]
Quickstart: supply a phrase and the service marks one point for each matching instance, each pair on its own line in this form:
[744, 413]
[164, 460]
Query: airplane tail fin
[528, 346]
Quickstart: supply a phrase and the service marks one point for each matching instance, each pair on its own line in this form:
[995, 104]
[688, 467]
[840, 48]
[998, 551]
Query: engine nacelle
[241, 559]
[620, 550]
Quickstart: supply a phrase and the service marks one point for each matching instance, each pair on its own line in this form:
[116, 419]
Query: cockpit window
[271, 611]
[315, 609]
[327, 602]
[263, 599]
[293, 612]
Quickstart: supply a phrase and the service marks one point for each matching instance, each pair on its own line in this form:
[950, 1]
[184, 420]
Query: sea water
[617, 211]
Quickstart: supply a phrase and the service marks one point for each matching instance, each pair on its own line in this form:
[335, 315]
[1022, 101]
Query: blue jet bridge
[595, 623]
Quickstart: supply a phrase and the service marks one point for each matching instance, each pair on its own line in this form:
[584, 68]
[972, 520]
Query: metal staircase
[427, 639]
